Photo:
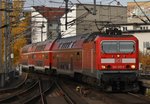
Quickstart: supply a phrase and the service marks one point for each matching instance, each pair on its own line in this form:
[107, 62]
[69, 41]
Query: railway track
[7, 92]
[62, 94]
[19, 97]
[57, 93]
[24, 95]
[125, 98]
[68, 99]
[43, 89]
[12, 89]
[96, 96]
[54, 90]
[43, 96]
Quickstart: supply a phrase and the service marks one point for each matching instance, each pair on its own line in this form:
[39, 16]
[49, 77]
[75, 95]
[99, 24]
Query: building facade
[82, 21]
[135, 13]
[45, 23]
[139, 30]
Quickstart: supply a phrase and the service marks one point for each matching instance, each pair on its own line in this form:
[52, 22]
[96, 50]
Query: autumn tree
[145, 60]
[21, 25]
[18, 25]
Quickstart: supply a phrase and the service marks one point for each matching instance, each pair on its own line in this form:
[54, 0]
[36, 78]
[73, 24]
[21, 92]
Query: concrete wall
[85, 22]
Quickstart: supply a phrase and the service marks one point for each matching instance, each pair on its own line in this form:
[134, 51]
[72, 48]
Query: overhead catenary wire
[87, 9]
[19, 21]
[81, 17]
[16, 22]
[135, 15]
[142, 11]
[73, 21]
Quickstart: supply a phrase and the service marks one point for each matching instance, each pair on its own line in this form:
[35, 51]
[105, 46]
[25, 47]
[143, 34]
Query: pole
[1, 62]
[10, 61]
[58, 28]
[66, 11]
[42, 26]
[7, 36]
[41, 33]
[94, 11]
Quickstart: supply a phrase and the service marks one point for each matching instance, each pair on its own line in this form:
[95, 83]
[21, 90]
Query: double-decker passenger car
[110, 61]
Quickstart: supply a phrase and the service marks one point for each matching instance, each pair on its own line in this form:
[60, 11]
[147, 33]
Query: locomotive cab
[118, 61]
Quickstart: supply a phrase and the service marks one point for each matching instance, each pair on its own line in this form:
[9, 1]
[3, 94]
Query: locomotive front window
[118, 46]
[109, 47]
[126, 47]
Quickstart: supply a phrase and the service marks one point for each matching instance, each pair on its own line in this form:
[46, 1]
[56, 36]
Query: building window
[125, 29]
[144, 28]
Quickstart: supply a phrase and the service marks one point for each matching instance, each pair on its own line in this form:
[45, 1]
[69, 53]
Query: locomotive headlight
[103, 67]
[133, 66]
[118, 56]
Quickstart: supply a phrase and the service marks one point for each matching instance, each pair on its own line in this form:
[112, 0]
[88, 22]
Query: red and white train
[110, 61]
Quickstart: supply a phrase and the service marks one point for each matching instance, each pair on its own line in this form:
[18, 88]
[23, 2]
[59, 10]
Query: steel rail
[37, 97]
[15, 97]
[6, 90]
[41, 93]
[67, 98]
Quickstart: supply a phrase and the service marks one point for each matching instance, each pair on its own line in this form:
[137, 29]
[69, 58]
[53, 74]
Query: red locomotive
[110, 61]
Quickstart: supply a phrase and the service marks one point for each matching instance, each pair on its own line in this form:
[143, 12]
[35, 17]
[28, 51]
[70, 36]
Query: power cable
[87, 9]
[135, 15]
[16, 22]
[142, 11]
[20, 34]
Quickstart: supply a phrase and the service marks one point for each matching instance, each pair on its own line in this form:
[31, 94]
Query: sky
[30, 3]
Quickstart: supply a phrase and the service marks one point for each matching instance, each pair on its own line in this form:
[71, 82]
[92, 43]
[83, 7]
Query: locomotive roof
[76, 41]
[90, 36]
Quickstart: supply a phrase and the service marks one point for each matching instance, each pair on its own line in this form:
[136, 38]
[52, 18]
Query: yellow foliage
[18, 29]
[17, 46]
[144, 59]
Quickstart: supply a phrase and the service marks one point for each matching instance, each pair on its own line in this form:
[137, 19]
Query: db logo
[118, 60]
